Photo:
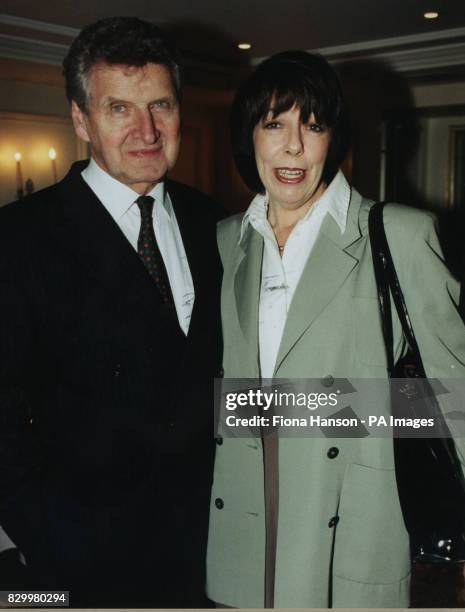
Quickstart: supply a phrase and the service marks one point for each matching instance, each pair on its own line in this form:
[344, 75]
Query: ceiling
[208, 30]
[270, 25]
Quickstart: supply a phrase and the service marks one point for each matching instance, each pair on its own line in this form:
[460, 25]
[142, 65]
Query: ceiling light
[244, 46]
[431, 15]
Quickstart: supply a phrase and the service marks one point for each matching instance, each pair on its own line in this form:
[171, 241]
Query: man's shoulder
[29, 210]
[36, 207]
[24, 223]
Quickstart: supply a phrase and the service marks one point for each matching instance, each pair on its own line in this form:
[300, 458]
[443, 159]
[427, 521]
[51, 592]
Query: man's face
[132, 123]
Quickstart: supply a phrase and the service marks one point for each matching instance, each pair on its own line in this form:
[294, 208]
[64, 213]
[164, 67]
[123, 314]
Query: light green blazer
[333, 328]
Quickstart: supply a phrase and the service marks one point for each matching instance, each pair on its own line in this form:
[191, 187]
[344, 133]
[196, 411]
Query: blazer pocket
[350, 594]
[367, 329]
[371, 543]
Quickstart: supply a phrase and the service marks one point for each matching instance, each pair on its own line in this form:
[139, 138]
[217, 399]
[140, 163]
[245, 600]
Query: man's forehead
[107, 78]
[130, 71]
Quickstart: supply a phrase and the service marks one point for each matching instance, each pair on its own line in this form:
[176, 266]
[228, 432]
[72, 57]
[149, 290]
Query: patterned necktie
[148, 250]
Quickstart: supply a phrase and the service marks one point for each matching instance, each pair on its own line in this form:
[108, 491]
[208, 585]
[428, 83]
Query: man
[109, 340]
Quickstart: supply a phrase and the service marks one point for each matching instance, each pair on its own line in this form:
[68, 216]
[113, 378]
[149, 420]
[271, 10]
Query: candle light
[19, 176]
[53, 155]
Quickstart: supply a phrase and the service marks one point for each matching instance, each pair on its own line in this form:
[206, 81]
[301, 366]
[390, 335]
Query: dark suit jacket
[106, 433]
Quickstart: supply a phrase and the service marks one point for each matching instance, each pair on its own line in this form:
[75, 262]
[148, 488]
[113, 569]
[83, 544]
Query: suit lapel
[197, 224]
[90, 234]
[198, 237]
[192, 230]
[332, 259]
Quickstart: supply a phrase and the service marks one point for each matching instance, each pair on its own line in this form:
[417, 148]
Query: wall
[391, 116]
[435, 159]
[439, 94]
[34, 98]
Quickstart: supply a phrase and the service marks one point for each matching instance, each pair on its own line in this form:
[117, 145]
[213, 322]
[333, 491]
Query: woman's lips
[289, 175]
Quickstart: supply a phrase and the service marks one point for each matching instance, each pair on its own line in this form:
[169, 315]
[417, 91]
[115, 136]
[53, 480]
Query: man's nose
[147, 128]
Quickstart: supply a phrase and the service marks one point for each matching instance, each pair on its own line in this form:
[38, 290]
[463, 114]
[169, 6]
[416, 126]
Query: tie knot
[145, 203]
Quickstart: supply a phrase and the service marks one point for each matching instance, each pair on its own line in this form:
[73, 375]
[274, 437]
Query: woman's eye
[271, 125]
[315, 127]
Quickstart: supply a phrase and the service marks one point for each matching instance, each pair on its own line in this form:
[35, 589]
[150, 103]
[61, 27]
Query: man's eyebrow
[112, 100]
[164, 99]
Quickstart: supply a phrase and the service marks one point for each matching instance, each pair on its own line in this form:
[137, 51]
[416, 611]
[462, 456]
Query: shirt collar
[117, 197]
[335, 201]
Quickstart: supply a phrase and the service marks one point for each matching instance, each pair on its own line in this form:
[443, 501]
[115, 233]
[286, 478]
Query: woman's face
[290, 157]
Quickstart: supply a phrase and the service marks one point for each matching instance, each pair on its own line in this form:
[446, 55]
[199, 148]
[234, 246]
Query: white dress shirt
[281, 275]
[119, 200]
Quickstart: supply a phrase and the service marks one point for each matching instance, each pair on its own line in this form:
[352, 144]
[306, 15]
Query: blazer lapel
[332, 259]
[247, 279]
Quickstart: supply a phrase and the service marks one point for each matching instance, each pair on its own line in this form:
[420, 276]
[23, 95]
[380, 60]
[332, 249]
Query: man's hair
[291, 78]
[117, 40]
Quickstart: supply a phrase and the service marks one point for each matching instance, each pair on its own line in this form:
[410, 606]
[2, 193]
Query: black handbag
[429, 476]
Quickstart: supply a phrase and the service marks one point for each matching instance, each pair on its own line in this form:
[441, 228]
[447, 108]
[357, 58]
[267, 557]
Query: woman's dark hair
[117, 40]
[286, 79]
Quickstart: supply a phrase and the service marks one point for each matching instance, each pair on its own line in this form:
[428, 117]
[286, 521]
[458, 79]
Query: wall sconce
[19, 176]
[53, 155]
[28, 186]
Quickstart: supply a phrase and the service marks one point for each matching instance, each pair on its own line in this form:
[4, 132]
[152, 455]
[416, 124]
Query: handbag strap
[435, 523]
[388, 283]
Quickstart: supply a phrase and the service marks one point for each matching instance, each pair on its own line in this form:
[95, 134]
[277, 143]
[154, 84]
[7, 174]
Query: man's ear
[79, 122]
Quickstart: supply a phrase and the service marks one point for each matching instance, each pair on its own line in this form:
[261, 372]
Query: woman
[314, 522]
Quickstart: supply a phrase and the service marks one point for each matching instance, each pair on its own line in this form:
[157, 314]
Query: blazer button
[219, 503]
[333, 522]
[117, 370]
[220, 373]
[333, 452]
[327, 381]
[219, 440]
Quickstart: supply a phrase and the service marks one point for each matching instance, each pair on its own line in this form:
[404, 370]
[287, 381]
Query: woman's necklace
[282, 234]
